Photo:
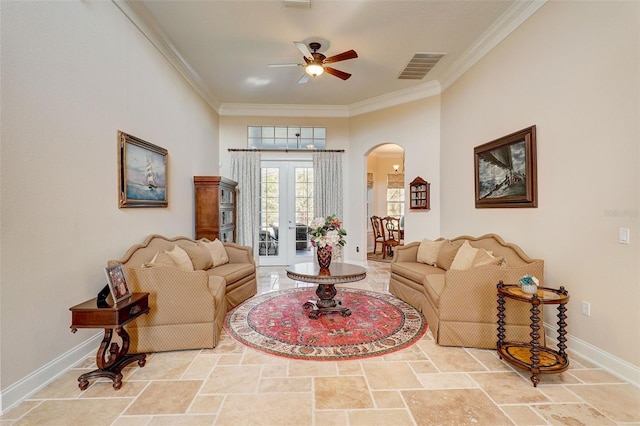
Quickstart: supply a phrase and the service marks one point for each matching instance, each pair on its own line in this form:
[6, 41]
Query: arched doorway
[385, 186]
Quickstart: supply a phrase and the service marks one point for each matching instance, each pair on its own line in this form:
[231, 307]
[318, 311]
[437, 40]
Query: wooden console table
[536, 358]
[326, 279]
[111, 358]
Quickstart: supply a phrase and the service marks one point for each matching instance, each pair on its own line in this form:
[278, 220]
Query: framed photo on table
[142, 173]
[117, 283]
[505, 171]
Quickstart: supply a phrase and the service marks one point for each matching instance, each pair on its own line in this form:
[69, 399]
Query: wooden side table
[532, 356]
[111, 358]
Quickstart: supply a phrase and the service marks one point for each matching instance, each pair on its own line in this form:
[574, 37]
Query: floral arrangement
[327, 232]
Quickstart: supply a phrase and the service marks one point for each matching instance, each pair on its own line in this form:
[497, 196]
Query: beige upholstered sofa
[461, 304]
[187, 307]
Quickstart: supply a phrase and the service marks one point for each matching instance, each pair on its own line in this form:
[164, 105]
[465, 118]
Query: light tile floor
[424, 384]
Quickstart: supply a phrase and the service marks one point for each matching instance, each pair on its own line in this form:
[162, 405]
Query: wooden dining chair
[392, 227]
[378, 233]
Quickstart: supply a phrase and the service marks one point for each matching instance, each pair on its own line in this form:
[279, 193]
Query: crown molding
[139, 16]
[283, 110]
[380, 102]
[399, 97]
[511, 19]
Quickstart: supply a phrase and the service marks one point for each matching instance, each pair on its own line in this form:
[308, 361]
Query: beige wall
[572, 70]
[73, 74]
[414, 126]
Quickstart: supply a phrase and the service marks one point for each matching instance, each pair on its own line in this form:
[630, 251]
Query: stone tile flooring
[424, 384]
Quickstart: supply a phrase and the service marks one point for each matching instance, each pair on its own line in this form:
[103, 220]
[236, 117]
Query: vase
[324, 257]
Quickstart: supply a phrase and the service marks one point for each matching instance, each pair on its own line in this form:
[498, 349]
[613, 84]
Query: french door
[286, 209]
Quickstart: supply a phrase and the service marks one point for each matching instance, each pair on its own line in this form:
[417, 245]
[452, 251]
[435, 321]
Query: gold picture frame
[142, 173]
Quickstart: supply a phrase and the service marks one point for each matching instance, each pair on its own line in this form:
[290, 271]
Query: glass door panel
[286, 209]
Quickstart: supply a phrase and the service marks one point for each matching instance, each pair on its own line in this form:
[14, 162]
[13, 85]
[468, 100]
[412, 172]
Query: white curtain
[245, 169]
[327, 187]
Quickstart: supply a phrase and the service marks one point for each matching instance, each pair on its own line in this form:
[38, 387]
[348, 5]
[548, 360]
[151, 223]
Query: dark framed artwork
[117, 283]
[142, 173]
[505, 171]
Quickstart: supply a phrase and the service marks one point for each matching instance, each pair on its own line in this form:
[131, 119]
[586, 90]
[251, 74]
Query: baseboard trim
[27, 386]
[21, 390]
[614, 365]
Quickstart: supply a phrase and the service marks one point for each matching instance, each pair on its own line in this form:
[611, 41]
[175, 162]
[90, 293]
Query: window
[395, 202]
[395, 194]
[304, 195]
[286, 137]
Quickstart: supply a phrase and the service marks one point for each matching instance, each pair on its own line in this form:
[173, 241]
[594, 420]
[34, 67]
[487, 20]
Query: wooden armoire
[215, 208]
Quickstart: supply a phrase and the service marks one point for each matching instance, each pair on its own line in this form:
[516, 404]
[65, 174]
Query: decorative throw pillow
[180, 258]
[161, 259]
[464, 257]
[428, 251]
[200, 257]
[217, 251]
[484, 257]
[446, 254]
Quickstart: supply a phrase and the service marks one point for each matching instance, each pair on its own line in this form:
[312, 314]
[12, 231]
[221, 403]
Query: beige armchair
[187, 309]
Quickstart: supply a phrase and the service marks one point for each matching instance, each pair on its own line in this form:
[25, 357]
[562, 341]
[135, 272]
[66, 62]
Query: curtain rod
[284, 150]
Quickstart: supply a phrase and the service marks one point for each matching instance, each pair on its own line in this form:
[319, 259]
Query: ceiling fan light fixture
[314, 70]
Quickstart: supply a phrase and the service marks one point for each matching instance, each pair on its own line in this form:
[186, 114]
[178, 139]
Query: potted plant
[529, 284]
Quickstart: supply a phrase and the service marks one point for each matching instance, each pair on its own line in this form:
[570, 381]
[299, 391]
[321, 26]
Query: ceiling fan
[314, 61]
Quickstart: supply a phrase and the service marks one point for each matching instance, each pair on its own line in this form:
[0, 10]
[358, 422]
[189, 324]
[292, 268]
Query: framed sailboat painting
[505, 171]
[142, 173]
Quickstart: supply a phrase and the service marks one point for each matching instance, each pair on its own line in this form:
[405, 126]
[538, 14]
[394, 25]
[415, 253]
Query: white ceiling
[225, 47]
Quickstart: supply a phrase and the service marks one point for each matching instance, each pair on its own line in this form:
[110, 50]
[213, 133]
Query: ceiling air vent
[297, 3]
[420, 65]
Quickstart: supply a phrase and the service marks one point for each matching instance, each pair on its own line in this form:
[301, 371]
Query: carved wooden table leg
[111, 359]
[535, 340]
[501, 329]
[562, 325]
[326, 304]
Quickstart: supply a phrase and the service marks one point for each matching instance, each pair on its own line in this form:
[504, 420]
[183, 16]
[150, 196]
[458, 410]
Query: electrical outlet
[357, 249]
[586, 308]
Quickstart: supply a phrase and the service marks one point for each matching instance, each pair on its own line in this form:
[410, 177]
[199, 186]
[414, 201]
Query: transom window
[286, 137]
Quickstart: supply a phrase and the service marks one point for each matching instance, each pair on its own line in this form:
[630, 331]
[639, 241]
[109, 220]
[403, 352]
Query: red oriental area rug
[277, 323]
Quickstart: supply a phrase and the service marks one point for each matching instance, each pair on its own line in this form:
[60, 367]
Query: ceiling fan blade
[340, 74]
[304, 49]
[304, 78]
[284, 65]
[349, 54]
